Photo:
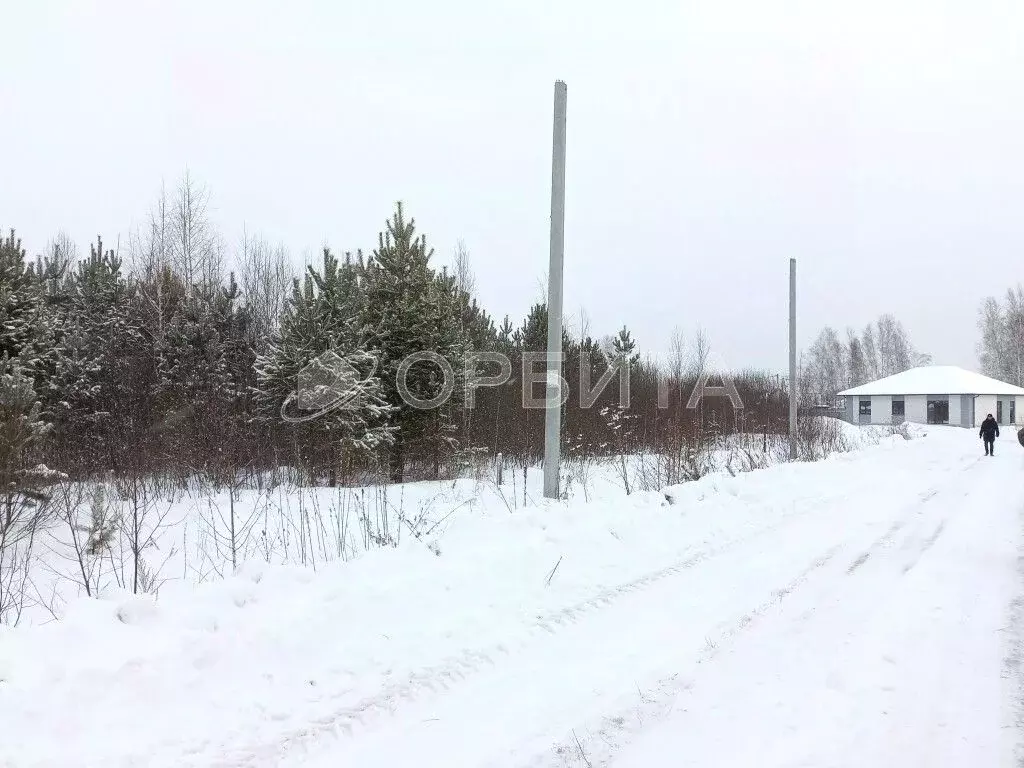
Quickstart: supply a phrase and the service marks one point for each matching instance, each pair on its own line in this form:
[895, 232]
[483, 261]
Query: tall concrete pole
[553, 416]
[792, 359]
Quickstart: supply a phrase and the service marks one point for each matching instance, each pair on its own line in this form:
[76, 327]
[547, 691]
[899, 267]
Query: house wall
[851, 409]
[966, 411]
[1007, 400]
[983, 405]
[916, 408]
[954, 410]
[881, 409]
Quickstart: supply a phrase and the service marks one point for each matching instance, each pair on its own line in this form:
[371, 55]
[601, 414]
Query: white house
[934, 394]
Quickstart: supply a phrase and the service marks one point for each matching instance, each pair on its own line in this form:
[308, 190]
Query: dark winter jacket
[989, 429]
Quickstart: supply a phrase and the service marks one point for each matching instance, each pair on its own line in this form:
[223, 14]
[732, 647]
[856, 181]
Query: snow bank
[256, 658]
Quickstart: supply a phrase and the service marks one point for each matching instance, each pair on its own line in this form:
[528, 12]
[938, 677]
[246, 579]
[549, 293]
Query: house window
[865, 407]
[938, 411]
[1013, 410]
[898, 408]
[999, 411]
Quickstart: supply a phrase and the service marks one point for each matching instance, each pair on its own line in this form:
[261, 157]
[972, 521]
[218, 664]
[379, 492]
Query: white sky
[879, 143]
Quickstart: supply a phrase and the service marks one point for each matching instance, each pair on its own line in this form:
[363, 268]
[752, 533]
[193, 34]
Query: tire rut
[656, 701]
[600, 746]
[347, 720]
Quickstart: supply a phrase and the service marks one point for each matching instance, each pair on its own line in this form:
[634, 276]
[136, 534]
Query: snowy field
[864, 610]
[194, 534]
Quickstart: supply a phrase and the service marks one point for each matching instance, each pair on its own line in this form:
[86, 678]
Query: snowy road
[865, 611]
[875, 632]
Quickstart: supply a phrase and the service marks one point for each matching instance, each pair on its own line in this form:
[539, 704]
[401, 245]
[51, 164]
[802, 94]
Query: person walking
[989, 432]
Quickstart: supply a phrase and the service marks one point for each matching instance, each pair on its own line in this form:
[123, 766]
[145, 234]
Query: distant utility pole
[792, 359]
[553, 420]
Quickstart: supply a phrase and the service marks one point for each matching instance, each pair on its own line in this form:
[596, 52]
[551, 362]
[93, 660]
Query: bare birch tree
[1001, 349]
[267, 276]
[700, 352]
[463, 270]
[62, 250]
[197, 252]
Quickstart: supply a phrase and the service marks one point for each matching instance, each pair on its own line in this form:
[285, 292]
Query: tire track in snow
[886, 538]
[601, 746]
[926, 545]
[876, 545]
[657, 701]
[347, 720]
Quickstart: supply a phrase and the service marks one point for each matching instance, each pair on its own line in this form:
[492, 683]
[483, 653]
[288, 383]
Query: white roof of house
[935, 380]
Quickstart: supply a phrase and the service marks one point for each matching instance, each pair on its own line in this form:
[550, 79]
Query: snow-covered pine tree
[622, 347]
[23, 482]
[612, 416]
[442, 435]
[234, 373]
[185, 391]
[25, 325]
[323, 314]
[92, 383]
[402, 315]
[205, 379]
[479, 335]
[505, 332]
[143, 422]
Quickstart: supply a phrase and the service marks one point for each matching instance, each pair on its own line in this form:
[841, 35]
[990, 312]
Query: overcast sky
[879, 143]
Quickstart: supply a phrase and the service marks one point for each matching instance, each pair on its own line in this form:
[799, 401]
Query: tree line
[1001, 348]
[834, 362]
[173, 356]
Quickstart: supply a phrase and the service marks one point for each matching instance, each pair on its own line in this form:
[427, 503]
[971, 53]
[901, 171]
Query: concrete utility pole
[553, 420]
[792, 359]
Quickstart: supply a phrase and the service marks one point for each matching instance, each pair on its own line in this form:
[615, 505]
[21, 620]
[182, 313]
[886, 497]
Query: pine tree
[323, 315]
[450, 339]
[408, 311]
[24, 323]
[184, 393]
[623, 347]
[92, 378]
[233, 379]
[23, 481]
[21, 433]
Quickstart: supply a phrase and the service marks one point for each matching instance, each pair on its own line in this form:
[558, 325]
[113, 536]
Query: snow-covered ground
[196, 533]
[863, 610]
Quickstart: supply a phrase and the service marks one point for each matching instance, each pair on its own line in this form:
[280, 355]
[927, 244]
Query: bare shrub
[903, 430]
[682, 458]
[90, 527]
[818, 437]
[145, 515]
